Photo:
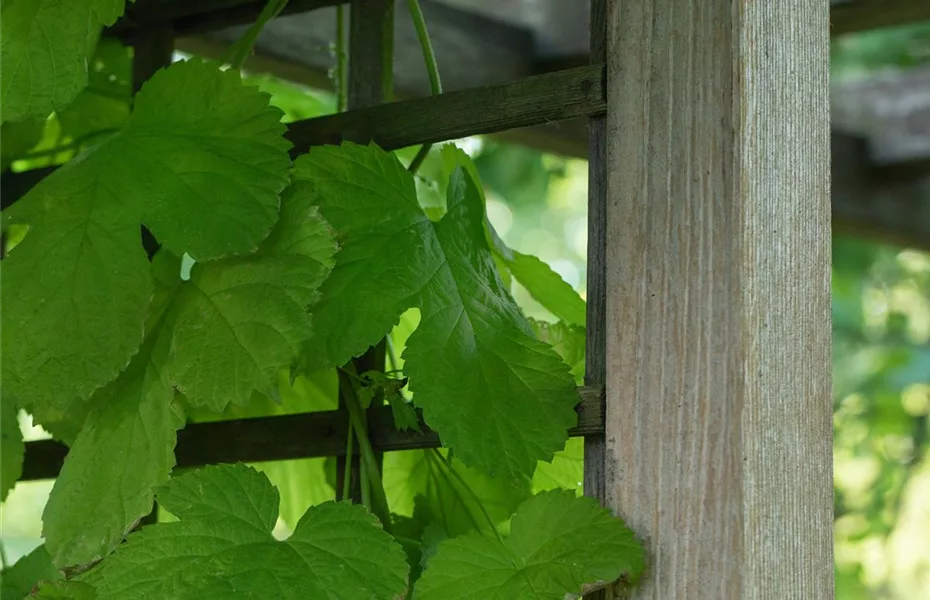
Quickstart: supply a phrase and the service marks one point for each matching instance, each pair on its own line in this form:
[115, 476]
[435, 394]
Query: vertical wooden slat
[595, 372]
[371, 30]
[718, 433]
[595, 322]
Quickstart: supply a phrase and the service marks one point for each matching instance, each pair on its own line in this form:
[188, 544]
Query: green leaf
[422, 483]
[11, 447]
[405, 417]
[547, 287]
[125, 447]
[78, 280]
[474, 366]
[44, 52]
[222, 547]
[568, 340]
[18, 580]
[105, 103]
[565, 471]
[201, 162]
[385, 247]
[65, 590]
[559, 545]
[238, 320]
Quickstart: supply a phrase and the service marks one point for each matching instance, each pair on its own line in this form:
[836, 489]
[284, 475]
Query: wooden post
[718, 431]
[371, 31]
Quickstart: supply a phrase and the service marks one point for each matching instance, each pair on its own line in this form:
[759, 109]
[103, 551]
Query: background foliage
[536, 203]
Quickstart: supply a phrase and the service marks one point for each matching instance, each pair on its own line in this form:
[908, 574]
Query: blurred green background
[537, 203]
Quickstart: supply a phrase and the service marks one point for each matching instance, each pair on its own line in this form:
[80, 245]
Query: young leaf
[239, 320]
[474, 365]
[222, 547]
[44, 52]
[11, 447]
[405, 417]
[18, 580]
[559, 545]
[201, 161]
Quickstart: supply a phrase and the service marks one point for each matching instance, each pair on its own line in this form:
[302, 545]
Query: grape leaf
[558, 545]
[568, 340]
[206, 159]
[11, 447]
[222, 547]
[17, 581]
[125, 447]
[44, 52]
[498, 396]
[546, 286]
[78, 280]
[201, 161]
[565, 471]
[238, 319]
[450, 500]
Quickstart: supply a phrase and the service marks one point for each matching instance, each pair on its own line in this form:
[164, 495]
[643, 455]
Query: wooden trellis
[706, 409]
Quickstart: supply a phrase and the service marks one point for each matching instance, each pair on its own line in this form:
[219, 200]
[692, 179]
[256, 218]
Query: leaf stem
[240, 50]
[342, 87]
[379, 505]
[347, 474]
[432, 70]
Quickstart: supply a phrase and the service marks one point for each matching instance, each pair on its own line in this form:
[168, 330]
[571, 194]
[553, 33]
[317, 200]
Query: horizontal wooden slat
[286, 437]
[534, 100]
[187, 17]
[548, 98]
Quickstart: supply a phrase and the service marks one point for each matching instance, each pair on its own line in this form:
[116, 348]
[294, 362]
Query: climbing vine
[271, 274]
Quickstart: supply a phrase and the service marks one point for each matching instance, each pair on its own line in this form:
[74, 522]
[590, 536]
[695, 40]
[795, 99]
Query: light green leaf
[421, 483]
[474, 366]
[65, 590]
[559, 545]
[240, 320]
[386, 252]
[568, 340]
[11, 447]
[78, 280]
[125, 447]
[547, 287]
[222, 547]
[201, 161]
[18, 580]
[44, 52]
[206, 159]
[565, 471]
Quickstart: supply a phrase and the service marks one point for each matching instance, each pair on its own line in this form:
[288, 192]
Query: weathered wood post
[718, 438]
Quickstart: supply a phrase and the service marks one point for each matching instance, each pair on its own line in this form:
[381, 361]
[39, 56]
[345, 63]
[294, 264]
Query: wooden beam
[719, 410]
[287, 437]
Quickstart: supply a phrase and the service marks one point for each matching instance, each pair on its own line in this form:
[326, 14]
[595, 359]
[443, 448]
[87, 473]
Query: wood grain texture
[285, 437]
[719, 437]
